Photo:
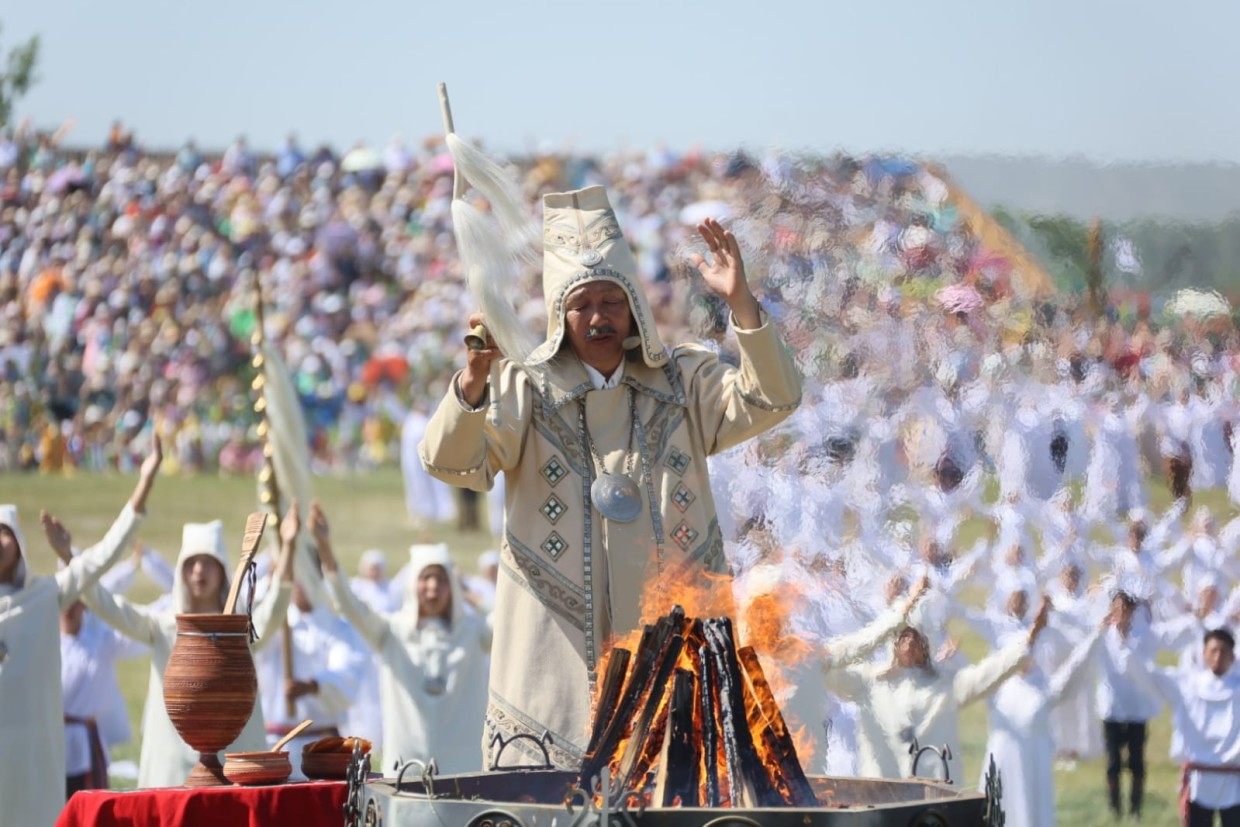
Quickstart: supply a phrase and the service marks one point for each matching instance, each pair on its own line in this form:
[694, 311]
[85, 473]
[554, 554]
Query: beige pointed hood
[582, 243]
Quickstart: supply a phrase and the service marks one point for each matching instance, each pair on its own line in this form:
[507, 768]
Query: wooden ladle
[292, 733]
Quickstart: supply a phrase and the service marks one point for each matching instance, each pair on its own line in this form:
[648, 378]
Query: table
[305, 804]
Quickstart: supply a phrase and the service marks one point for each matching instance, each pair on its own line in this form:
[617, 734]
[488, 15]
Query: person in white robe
[1174, 419]
[1200, 555]
[200, 587]
[1205, 710]
[1020, 740]
[912, 700]
[1006, 616]
[433, 681]
[1137, 561]
[88, 654]
[427, 499]
[1126, 708]
[32, 761]
[480, 588]
[94, 648]
[1114, 482]
[809, 644]
[1074, 719]
[326, 673]
[1207, 410]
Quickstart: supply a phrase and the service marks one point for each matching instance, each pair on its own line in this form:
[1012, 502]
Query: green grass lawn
[369, 512]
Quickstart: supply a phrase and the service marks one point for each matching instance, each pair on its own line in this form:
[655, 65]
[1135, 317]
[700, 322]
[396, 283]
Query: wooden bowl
[325, 766]
[253, 768]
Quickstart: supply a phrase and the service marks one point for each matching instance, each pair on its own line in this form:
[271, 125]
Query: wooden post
[1094, 274]
[269, 494]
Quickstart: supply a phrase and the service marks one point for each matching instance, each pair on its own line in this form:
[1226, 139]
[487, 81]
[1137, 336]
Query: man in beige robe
[602, 396]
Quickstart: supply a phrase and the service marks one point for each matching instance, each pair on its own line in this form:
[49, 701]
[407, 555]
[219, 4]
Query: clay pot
[209, 688]
[326, 766]
[253, 768]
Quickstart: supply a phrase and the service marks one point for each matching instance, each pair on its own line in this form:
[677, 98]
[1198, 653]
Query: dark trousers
[75, 784]
[1179, 471]
[1204, 817]
[1129, 737]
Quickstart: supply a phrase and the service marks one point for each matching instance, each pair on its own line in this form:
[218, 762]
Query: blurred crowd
[127, 282]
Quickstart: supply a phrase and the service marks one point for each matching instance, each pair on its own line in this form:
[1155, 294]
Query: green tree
[18, 75]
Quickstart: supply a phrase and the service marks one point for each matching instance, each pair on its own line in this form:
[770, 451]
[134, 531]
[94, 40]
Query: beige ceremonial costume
[32, 769]
[166, 760]
[569, 578]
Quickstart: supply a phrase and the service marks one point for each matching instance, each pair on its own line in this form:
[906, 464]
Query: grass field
[369, 512]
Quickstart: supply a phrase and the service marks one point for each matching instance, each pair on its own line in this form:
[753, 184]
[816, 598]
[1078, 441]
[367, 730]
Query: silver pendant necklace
[616, 496]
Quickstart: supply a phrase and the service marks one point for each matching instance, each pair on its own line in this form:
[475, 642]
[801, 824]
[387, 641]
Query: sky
[1107, 80]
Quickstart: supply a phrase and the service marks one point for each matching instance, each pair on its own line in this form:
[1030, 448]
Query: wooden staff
[269, 495]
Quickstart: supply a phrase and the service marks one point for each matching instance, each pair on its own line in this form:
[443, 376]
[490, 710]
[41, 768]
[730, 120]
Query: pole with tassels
[476, 338]
[269, 487]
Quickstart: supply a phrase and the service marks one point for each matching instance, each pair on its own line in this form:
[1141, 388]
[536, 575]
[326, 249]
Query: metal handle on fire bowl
[428, 775]
[944, 755]
[504, 743]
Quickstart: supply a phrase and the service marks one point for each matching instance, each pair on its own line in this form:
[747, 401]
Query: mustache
[602, 330]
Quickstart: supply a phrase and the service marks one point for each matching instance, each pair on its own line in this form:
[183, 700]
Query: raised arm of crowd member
[373, 626]
[848, 649]
[84, 571]
[964, 567]
[155, 567]
[1163, 531]
[1068, 676]
[976, 681]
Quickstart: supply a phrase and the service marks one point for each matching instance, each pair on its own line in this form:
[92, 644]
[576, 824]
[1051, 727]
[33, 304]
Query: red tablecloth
[308, 804]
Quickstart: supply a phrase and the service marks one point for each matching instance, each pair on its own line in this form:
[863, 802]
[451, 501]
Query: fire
[687, 715]
[769, 596]
[640, 730]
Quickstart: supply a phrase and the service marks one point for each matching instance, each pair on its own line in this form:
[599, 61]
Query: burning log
[706, 723]
[613, 685]
[650, 654]
[679, 760]
[696, 723]
[637, 753]
[753, 785]
[779, 741]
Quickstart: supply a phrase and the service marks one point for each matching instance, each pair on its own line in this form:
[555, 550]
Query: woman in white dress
[32, 763]
[1020, 735]
[1113, 476]
[433, 650]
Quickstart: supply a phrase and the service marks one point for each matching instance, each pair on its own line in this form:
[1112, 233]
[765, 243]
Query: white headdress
[199, 539]
[8, 517]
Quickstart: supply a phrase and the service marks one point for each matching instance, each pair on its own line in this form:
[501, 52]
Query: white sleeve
[85, 570]
[269, 614]
[157, 569]
[977, 681]
[373, 626]
[140, 623]
[848, 649]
